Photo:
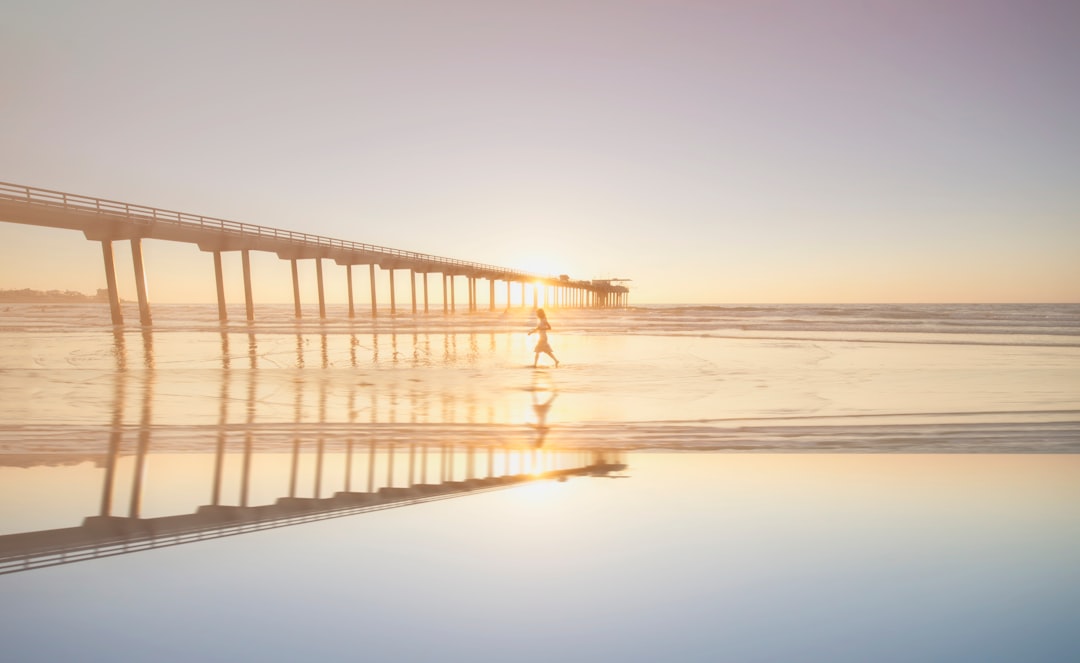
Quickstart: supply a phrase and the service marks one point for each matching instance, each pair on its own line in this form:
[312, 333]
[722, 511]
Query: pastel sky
[712, 151]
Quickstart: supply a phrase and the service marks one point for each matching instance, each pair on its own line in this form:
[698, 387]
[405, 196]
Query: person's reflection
[541, 407]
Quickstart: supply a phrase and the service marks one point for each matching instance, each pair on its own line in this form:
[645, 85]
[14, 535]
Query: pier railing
[146, 215]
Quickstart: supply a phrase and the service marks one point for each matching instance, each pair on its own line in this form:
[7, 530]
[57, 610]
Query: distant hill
[26, 295]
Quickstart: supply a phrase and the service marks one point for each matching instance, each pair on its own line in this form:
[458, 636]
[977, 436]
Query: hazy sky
[712, 151]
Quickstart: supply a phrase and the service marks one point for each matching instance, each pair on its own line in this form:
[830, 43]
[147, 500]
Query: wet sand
[882, 552]
[64, 389]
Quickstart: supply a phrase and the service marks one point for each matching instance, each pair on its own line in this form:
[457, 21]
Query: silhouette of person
[542, 345]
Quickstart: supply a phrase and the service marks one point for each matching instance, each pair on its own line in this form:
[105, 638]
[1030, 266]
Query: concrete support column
[320, 450]
[507, 295]
[445, 301]
[523, 302]
[249, 301]
[453, 295]
[348, 278]
[110, 281]
[491, 294]
[412, 288]
[374, 307]
[322, 295]
[295, 288]
[140, 281]
[425, 275]
[393, 293]
[222, 313]
[348, 464]
[536, 296]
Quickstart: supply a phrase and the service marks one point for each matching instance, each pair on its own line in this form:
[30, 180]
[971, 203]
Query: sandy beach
[866, 488]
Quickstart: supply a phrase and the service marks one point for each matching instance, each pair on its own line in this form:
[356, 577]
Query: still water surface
[390, 490]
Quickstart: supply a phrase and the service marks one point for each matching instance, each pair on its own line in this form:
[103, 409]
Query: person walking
[542, 345]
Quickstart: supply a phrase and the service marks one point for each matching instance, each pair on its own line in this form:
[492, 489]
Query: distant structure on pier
[106, 221]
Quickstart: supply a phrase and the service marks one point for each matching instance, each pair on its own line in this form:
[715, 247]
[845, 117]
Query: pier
[266, 447]
[107, 534]
[108, 221]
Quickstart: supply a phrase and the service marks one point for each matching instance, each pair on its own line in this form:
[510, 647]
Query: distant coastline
[28, 296]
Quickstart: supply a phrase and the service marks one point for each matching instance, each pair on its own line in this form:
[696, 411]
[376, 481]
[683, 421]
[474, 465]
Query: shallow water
[390, 488]
[629, 377]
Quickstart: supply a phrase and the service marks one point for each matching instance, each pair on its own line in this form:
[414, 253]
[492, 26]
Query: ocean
[692, 483]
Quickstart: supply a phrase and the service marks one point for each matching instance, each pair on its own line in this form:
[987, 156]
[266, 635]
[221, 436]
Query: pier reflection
[254, 442]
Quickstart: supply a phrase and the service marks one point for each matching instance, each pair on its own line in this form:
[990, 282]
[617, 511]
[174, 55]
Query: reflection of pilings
[226, 360]
[371, 468]
[148, 348]
[348, 464]
[249, 437]
[321, 443]
[294, 472]
[219, 458]
[102, 537]
[143, 448]
[115, 438]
